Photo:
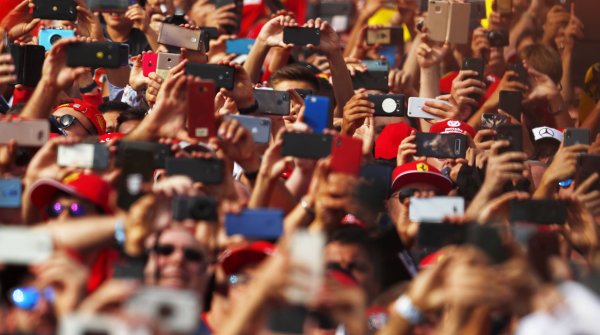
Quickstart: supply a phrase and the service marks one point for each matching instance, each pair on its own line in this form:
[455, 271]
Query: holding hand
[330, 41]
[355, 111]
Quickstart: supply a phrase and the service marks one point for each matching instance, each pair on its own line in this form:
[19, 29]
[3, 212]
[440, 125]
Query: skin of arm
[256, 57]
[341, 81]
[82, 233]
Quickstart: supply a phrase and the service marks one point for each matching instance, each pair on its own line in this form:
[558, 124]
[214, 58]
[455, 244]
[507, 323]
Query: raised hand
[55, 71]
[19, 22]
[355, 111]
[272, 32]
[330, 41]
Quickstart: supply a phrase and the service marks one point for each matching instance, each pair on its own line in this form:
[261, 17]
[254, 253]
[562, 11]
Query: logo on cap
[546, 132]
[422, 167]
[453, 123]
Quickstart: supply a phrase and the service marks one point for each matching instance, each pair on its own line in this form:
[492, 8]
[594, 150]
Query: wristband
[88, 88]
[405, 308]
[250, 109]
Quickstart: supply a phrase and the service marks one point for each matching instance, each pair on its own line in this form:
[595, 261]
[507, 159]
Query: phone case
[438, 235]
[83, 155]
[222, 75]
[385, 36]
[441, 145]
[201, 116]
[149, 63]
[378, 176]
[458, 23]
[576, 136]
[306, 250]
[33, 133]
[165, 62]
[301, 145]
[388, 104]
[316, 113]
[180, 37]
[511, 102]
[537, 211]
[415, 108]
[474, 64]
[47, 37]
[478, 13]
[273, 102]
[24, 246]
[137, 171]
[255, 224]
[10, 193]
[437, 20]
[498, 38]
[587, 164]
[522, 75]
[98, 54]
[346, 155]
[159, 151]
[239, 46]
[301, 36]
[55, 10]
[196, 208]
[259, 127]
[371, 80]
[108, 5]
[206, 171]
[377, 65]
[28, 61]
[435, 209]
[513, 134]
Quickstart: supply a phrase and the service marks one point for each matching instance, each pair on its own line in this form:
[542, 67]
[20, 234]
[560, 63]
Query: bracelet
[250, 109]
[405, 308]
[120, 232]
[309, 210]
[88, 88]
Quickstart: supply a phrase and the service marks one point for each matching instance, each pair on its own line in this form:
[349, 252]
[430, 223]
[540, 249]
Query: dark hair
[132, 114]
[534, 33]
[113, 106]
[294, 72]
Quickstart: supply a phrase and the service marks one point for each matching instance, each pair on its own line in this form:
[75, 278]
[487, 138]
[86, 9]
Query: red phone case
[201, 110]
[346, 155]
[149, 62]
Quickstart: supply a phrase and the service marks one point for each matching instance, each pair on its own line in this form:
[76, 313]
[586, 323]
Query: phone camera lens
[55, 38]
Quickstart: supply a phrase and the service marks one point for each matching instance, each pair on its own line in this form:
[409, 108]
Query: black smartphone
[511, 103]
[209, 33]
[98, 54]
[222, 75]
[498, 38]
[377, 176]
[196, 208]
[371, 80]
[587, 164]
[302, 145]
[130, 268]
[513, 134]
[206, 171]
[108, 5]
[136, 174]
[576, 136]
[28, 61]
[441, 145]
[304, 93]
[522, 74]
[477, 65]
[55, 10]
[160, 152]
[301, 35]
[537, 211]
[272, 102]
[388, 104]
[437, 235]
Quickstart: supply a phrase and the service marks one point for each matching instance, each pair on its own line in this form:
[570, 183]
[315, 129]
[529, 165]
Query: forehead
[179, 236]
[285, 85]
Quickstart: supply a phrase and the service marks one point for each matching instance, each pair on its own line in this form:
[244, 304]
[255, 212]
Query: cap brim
[232, 261]
[442, 183]
[43, 190]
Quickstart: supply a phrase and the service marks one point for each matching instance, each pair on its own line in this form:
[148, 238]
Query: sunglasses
[75, 210]
[188, 253]
[28, 297]
[68, 120]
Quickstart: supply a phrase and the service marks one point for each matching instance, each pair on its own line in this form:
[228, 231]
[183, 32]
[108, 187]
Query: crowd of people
[472, 208]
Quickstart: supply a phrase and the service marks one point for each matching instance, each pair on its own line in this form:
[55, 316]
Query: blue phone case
[316, 114]
[239, 46]
[10, 193]
[255, 223]
[47, 37]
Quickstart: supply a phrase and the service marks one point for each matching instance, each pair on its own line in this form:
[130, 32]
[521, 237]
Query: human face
[354, 259]
[111, 121]
[117, 20]
[66, 207]
[80, 127]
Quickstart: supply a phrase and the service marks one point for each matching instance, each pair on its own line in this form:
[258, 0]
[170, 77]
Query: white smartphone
[34, 133]
[83, 155]
[306, 252]
[434, 209]
[78, 324]
[415, 108]
[24, 246]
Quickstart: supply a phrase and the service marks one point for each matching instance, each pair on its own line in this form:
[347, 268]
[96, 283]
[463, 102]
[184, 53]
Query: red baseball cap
[452, 127]
[387, 143]
[234, 259]
[89, 187]
[420, 172]
[90, 111]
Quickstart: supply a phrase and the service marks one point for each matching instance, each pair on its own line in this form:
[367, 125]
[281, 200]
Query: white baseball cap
[547, 132]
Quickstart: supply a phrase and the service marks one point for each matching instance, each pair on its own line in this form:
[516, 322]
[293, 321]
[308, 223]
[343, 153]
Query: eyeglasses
[75, 209]
[27, 297]
[67, 121]
[565, 183]
[190, 254]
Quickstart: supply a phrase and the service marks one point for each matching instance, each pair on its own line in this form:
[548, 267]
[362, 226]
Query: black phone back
[587, 164]
[55, 10]
[474, 64]
[511, 103]
[160, 151]
[222, 75]
[513, 134]
[97, 54]
[28, 61]
[537, 211]
[207, 171]
[301, 35]
[313, 146]
[441, 145]
[576, 136]
[273, 102]
[371, 80]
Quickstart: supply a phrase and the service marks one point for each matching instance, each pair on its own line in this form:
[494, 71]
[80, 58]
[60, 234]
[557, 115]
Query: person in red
[80, 118]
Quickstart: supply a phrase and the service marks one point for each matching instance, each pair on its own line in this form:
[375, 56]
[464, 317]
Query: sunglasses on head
[27, 297]
[68, 120]
[190, 254]
[75, 209]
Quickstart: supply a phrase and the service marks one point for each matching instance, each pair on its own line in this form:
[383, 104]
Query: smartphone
[377, 65]
[24, 246]
[346, 155]
[504, 6]
[307, 251]
[511, 102]
[511, 133]
[159, 152]
[316, 113]
[385, 36]
[239, 46]
[33, 133]
[338, 14]
[129, 268]
[201, 116]
[55, 10]
[83, 155]
[136, 173]
[206, 171]
[47, 37]
[441, 145]
[474, 64]
[98, 54]
[492, 120]
[415, 108]
[576, 136]
[587, 164]
[222, 75]
[165, 62]
[388, 104]
[199, 208]
[371, 80]
[260, 224]
[449, 22]
[303, 93]
[537, 211]
[108, 5]
[478, 13]
[437, 235]
[10, 193]
[302, 145]
[176, 310]
[437, 20]
[498, 38]
[259, 127]
[28, 61]
[176, 36]
[522, 75]
[273, 102]
[149, 63]
[96, 324]
[301, 36]
[435, 209]
[378, 175]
